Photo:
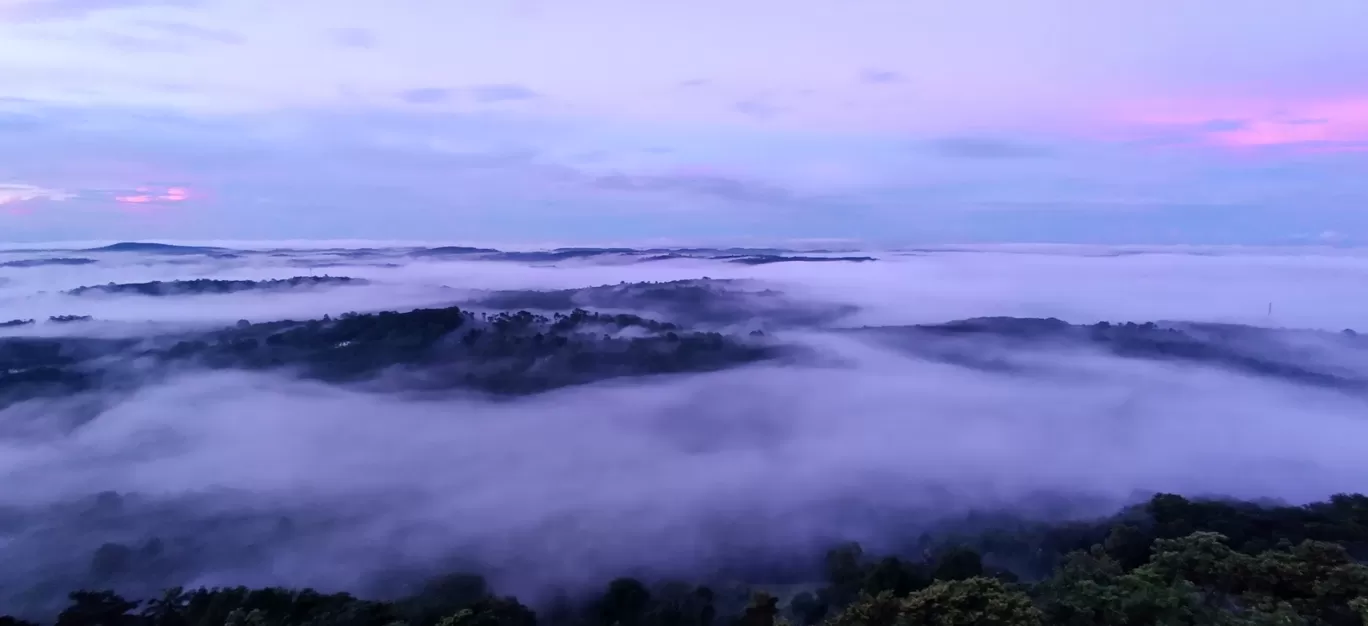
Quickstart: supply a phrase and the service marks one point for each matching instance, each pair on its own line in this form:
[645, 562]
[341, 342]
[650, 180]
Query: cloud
[43, 10]
[21, 200]
[148, 195]
[985, 148]
[1223, 126]
[191, 31]
[602, 479]
[325, 172]
[756, 108]
[20, 122]
[425, 95]
[16, 193]
[799, 110]
[1301, 125]
[352, 37]
[484, 94]
[710, 185]
[880, 77]
[501, 93]
[124, 42]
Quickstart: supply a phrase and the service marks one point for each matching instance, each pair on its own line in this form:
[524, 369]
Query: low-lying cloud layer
[262, 477]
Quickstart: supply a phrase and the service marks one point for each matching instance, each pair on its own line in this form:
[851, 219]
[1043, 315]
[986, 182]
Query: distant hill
[163, 248]
[748, 256]
[452, 251]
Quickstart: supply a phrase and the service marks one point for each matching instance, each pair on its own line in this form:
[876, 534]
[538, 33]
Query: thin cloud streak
[42, 10]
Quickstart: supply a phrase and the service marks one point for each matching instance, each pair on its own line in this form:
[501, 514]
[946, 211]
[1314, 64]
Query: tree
[976, 601]
[98, 608]
[958, 563]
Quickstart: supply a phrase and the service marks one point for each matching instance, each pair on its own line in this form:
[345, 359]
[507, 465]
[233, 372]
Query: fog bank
[304, 483]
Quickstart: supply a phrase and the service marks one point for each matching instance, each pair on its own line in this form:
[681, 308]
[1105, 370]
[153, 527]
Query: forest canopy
[1169, 561]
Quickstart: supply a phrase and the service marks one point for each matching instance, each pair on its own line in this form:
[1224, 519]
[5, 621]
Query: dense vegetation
[23, 263]
[425, 348]
[210, 286]
[1168, 561]
[64, 319]
[504, 353]
[524, 352]
[702, 302]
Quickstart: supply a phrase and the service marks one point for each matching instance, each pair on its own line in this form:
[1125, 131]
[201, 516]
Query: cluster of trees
[64, 319]
[213, 286]
[450, 347]
[57, 319]
[524, 352]
[695, 302]
[506, 353]
[24, 263]
[1170, 561]
[766, 259]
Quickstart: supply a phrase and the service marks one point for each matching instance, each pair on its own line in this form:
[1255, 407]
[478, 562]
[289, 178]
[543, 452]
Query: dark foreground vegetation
[201, 286]
[1170, 561]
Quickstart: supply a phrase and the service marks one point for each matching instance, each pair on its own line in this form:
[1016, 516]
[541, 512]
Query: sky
[884, 121]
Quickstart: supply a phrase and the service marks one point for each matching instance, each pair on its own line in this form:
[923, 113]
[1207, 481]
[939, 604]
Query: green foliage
[975, 601]
[1171, 561]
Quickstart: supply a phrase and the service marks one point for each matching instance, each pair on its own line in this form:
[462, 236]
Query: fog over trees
[679, 437]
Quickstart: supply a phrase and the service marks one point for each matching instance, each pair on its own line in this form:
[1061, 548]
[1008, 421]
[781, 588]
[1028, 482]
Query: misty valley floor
[367, 419]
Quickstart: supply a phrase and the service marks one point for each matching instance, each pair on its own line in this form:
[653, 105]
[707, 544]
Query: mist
[860, 439]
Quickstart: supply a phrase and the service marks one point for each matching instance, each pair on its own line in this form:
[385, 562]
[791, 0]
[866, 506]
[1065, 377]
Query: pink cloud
[147, 195]
[1311, 125]
[175, 194]
[20, 199]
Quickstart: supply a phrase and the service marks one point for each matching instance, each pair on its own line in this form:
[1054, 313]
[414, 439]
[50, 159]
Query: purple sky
[891, 121]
